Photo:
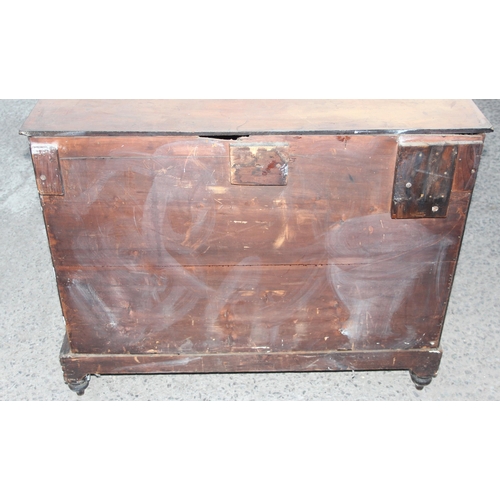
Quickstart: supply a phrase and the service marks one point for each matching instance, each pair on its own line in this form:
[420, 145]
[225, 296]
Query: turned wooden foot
[420, 382]
[79, 386]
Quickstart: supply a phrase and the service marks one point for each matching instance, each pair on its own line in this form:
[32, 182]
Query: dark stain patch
[344, 139]
[273, 164]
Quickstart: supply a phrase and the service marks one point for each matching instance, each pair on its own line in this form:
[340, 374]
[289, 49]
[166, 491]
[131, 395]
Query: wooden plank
[469, 156]
[395, 301]
[161, 205]
[136, 146]
[120, 235]
[247, 116]
[140, 146]
[423, 363]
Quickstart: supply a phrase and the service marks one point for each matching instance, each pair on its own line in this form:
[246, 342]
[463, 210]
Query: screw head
[408, 185]
[43, 178]
[435, 208]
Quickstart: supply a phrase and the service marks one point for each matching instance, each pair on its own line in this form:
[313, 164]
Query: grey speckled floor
[31, 326]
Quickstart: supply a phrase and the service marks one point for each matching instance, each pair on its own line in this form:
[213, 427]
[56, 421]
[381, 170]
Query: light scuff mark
[374, 265]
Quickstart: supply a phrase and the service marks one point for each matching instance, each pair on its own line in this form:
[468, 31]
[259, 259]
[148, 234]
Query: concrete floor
[31, 325]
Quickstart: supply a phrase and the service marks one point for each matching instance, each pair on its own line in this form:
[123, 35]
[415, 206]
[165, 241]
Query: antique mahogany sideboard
[197, 236]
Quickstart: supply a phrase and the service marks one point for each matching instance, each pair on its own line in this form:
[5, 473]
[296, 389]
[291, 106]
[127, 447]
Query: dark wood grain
[467, 165]
[247, 116]
[424, 176]
[425, 173]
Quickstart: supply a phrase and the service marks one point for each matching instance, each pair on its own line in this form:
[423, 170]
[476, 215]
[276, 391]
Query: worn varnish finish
[269, 252]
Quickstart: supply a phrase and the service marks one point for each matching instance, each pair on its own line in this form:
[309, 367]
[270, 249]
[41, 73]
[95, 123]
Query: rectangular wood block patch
[259, 164]
[47, 169]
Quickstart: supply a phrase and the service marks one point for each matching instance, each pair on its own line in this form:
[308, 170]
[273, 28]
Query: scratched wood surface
[164, 209]
[235, 309]
[424, 362]
[156, 252]
[247, 116]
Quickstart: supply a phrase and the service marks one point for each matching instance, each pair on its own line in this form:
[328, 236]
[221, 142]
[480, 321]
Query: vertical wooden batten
[47, 169]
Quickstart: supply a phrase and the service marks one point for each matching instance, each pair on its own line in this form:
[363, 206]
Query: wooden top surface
[249, 116]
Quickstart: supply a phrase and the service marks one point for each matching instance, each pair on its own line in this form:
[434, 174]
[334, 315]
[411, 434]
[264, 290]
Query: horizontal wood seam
[69, 354]
[190, 266]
